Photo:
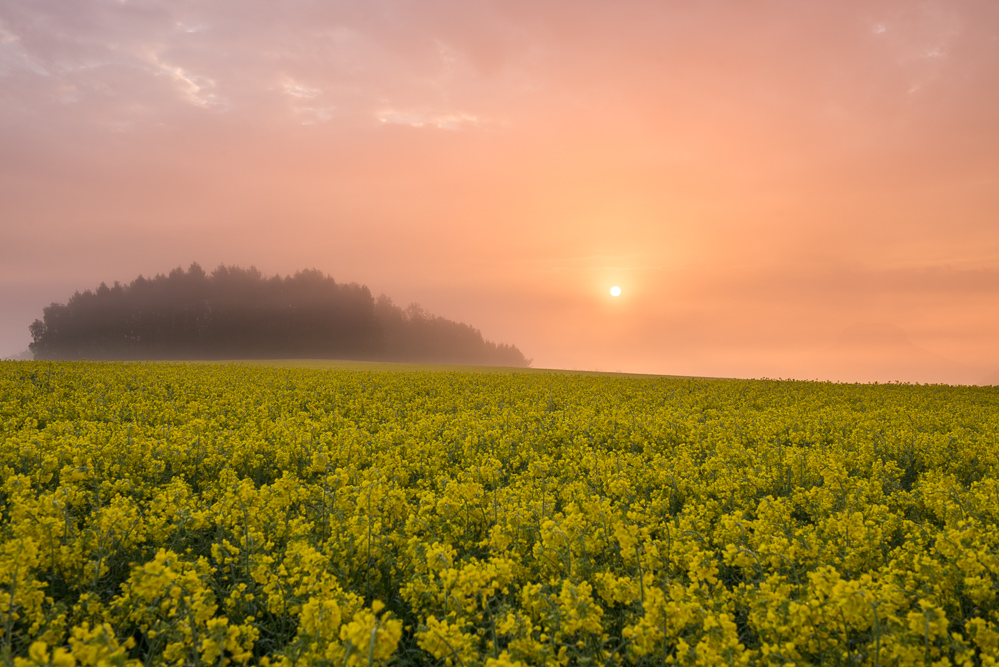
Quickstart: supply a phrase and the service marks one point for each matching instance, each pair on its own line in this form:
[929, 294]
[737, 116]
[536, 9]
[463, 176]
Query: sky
[780, 188]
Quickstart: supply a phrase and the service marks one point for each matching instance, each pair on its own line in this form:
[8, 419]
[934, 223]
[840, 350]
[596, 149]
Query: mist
[762, 182]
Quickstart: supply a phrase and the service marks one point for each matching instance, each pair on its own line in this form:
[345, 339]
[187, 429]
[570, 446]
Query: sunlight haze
[778, 189]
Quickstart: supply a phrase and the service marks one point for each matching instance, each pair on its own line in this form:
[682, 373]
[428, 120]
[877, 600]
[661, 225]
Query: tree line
[237, 313]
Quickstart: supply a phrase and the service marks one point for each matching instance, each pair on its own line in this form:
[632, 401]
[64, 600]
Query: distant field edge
[408, 367]
[381, 366]
[390, 366]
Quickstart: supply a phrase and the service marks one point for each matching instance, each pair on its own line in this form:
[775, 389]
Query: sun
[615, 291]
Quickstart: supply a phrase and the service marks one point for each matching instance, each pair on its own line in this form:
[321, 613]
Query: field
[196, 514]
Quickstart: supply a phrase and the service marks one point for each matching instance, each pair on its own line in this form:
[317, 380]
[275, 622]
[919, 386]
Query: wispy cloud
[315, 115]
[195, 88]
[296, 89]
[191, 28]
[14, 56]
[621, 263]
[440, 121]
[307, 102]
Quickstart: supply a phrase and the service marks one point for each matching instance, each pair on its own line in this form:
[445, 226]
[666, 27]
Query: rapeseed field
[182, 514]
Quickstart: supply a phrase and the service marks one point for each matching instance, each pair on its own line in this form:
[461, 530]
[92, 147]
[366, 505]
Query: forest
[237, 313]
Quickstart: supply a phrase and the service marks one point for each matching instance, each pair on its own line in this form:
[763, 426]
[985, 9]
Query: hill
[239, 313]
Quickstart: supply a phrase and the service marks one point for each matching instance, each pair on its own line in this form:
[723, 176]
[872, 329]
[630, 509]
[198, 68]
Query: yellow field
[392, 366]
[194, 514]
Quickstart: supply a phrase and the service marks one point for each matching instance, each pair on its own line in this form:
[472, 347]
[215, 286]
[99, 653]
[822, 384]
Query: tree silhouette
[237, 313]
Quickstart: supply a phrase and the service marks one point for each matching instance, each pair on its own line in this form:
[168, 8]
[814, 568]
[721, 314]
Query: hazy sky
[780, 188]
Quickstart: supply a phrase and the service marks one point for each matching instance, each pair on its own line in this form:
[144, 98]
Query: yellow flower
[370, 639]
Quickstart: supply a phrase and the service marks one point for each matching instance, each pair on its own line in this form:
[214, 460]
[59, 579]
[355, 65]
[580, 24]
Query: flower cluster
[199, 514]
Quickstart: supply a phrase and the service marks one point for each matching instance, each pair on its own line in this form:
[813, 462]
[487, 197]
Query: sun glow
[615, 291]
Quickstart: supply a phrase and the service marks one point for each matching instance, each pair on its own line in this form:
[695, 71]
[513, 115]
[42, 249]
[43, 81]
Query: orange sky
[781, 189]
